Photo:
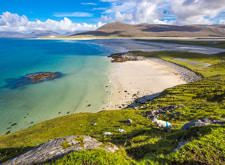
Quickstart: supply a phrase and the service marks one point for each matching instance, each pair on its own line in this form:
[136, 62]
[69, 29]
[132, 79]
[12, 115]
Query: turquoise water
[84, 86]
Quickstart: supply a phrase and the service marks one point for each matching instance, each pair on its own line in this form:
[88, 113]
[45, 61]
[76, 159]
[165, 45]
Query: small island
[32, 78]
[39, 77]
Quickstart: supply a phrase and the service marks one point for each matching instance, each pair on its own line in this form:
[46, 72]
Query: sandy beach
[133, 79]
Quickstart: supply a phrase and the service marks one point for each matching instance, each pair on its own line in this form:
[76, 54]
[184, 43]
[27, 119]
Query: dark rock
[122, 57]
[8, 132]
[94, 124]
[68, 112]
[178, 113]
[13, 124]
[172, 115]
[129, 121]
[125, 91]
[218, 121]
[88, 105]
[59, 112]
[143, 107]
[59, 147]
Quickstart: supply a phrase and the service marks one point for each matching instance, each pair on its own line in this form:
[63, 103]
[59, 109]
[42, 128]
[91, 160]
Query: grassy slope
[143, 142]
[218, 44]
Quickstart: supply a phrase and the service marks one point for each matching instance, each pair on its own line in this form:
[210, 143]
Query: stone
[218, 121]
[8, 132]
[143, 107]
[13, 124]
[129, 121]
[94, 124]
[180, 144]
[122, 57]
[59, 147]
[199, 122]
[178, 113]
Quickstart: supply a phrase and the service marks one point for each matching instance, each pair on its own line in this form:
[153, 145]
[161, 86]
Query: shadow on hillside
[99, 33]
[142, 100]
[162, 28]
[9, 153]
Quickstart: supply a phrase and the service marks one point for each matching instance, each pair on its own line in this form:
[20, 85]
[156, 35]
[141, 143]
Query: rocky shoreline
[123, 57]
[185, 74]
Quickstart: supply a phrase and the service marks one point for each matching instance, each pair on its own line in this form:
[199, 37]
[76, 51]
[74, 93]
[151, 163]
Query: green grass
[218, 44]
[143, 143]
[98, 156]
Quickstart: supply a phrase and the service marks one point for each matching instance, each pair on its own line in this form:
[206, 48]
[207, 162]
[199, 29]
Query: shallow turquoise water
[85, 70]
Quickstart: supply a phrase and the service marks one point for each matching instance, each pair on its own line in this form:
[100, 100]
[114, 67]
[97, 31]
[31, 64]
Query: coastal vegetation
[217, 44]
[143, 143]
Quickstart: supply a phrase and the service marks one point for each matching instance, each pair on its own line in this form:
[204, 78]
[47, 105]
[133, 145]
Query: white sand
[142, 78]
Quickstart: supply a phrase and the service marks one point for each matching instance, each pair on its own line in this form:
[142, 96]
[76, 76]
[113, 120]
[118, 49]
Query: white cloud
[109, 0]
[16, 23]
[164, 11]
[88, 3]
[222, 21]
[196, 11]
[99, 8]
[74, 14]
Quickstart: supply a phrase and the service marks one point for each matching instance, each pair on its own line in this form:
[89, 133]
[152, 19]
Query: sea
[84, 84]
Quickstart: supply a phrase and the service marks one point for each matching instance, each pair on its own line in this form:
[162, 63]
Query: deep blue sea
[83, 87]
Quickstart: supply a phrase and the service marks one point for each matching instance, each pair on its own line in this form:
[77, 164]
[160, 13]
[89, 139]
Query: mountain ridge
[156, 30]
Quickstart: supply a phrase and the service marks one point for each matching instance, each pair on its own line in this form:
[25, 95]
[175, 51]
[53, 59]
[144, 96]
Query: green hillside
[143, 143]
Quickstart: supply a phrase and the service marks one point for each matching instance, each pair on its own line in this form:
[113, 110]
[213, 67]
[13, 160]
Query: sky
[80, 15]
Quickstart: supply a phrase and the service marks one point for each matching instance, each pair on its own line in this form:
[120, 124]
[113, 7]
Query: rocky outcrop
[38, 77]
[169, 110]
[59, 147]
[201, 122]
[31, 79]
[122, 57]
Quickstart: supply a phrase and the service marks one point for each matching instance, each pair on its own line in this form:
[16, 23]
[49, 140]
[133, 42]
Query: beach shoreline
[134, 80]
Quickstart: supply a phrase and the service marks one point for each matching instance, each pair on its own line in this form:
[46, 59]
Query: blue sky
[77, 15]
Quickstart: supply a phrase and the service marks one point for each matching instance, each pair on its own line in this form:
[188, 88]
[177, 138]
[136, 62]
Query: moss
[81, 144]
[106, 144]
[66, 145]
[79, 138]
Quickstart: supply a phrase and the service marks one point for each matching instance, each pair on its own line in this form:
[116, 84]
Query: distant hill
[154, 30]
[41, 33]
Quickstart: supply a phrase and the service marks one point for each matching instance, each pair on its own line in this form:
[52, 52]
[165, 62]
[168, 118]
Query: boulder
[129, 121]
[199, 122]
[59, 147]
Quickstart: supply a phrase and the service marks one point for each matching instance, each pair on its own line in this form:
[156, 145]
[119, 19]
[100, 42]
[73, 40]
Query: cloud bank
[165, 11]
[15, 23]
